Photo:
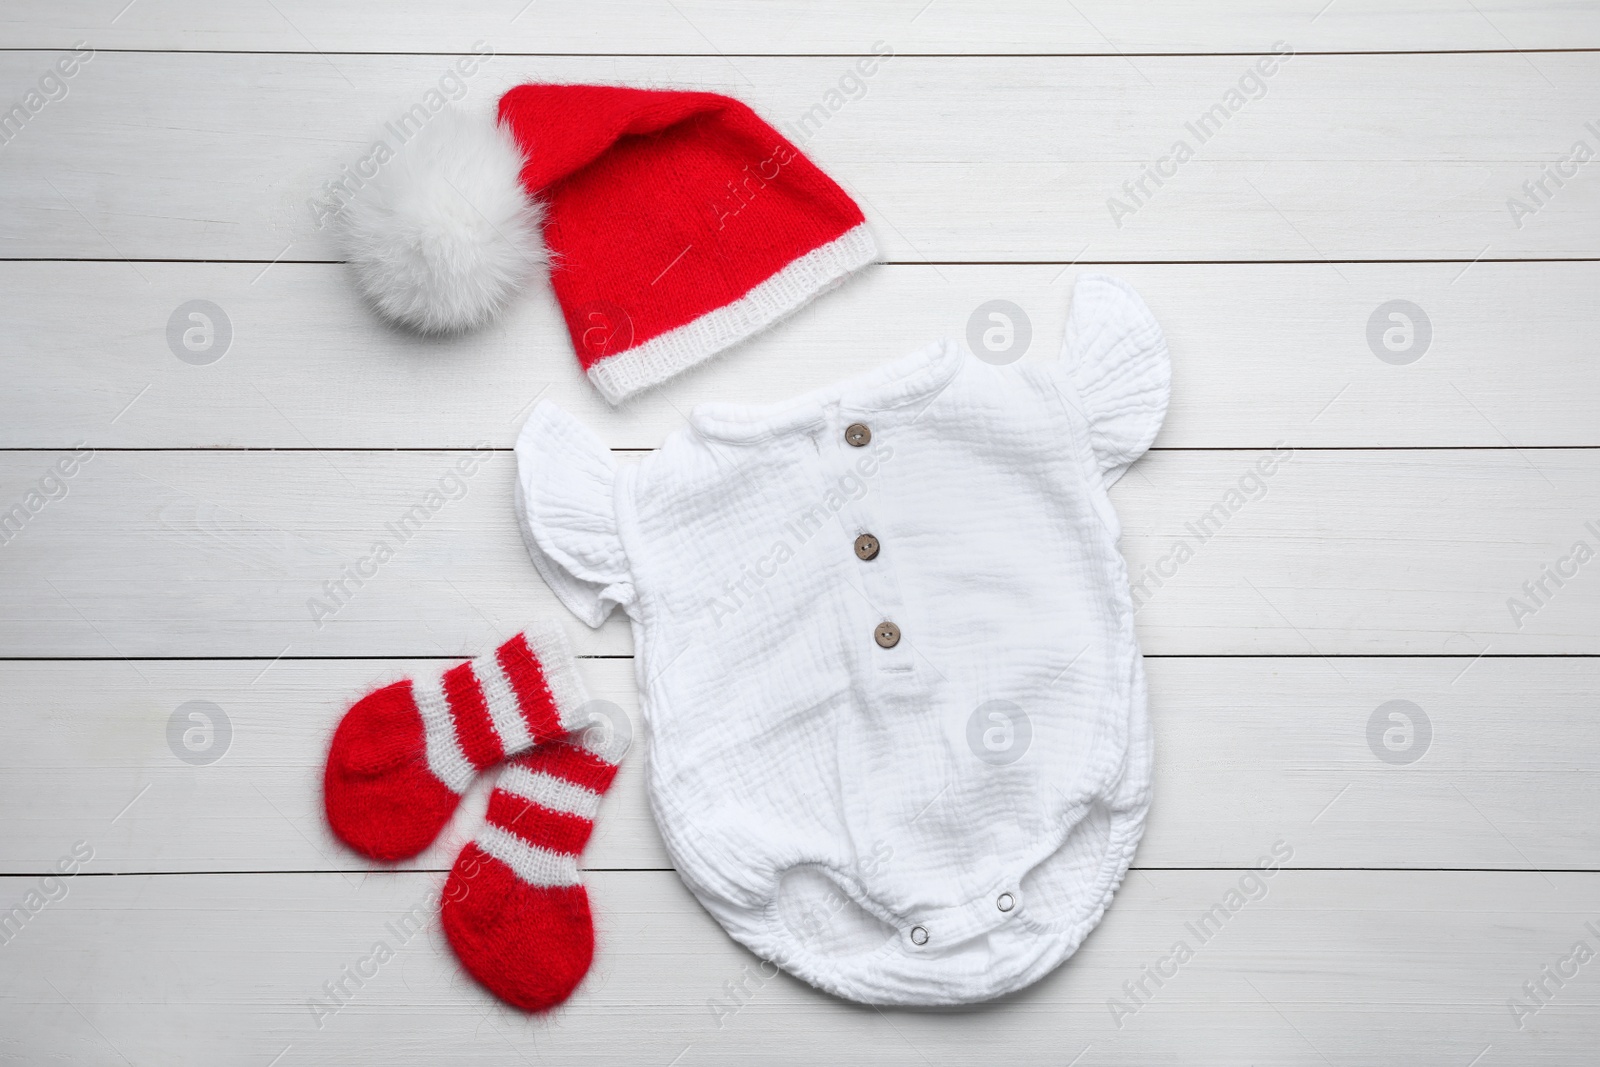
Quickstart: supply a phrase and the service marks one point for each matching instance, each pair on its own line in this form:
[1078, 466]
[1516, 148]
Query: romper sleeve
[567, 513]
[1116, 361]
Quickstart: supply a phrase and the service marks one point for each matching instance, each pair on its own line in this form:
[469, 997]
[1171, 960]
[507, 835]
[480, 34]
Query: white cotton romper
[932, 812]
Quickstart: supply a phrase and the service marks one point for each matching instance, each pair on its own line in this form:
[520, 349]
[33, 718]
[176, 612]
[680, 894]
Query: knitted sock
[403, 755]
[514, 907]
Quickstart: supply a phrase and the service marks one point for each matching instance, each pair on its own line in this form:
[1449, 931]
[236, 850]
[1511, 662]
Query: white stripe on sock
[550, 792]
[548, 642]
[445, 758]
[534, 865]
[504, 710]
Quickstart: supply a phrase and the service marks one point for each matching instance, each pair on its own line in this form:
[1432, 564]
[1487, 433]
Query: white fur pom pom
[444, 235]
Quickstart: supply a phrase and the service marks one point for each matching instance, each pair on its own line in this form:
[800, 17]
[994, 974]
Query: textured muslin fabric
[885, 651]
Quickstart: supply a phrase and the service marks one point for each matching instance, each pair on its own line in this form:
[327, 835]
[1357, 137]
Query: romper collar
[905, 381]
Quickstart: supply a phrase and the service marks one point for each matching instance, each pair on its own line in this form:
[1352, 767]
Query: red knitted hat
[675, 224]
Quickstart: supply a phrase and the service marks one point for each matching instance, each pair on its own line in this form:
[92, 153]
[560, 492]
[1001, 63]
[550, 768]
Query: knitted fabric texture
[678, 224]
[514, 907]
[403, 755]
[899, 742]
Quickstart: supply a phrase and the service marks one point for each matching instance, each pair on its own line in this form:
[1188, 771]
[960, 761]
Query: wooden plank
[1338, 552]
[1321, 967]
[247, 794]
[1247, 750]
[1262, 353]
[709, 27]
[197, 156]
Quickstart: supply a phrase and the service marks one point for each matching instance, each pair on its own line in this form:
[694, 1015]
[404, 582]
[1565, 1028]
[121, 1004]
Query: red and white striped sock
[403, 755]
[514, 907]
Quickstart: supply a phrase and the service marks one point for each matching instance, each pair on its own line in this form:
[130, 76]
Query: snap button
[857, 435]
[887, 635]
[866, 547]
[919, 935]
[1005, 902]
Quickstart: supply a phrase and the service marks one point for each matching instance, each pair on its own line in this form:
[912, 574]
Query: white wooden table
[1440, 861]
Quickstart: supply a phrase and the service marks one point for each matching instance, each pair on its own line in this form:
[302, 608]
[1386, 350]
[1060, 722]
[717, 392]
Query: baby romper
[898, 742]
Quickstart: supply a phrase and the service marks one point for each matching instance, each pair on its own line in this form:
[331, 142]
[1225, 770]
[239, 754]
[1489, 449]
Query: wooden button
[866, 547]
[857, 434]
[887, 635]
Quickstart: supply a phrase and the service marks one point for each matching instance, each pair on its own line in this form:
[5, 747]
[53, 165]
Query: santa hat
[674, 224]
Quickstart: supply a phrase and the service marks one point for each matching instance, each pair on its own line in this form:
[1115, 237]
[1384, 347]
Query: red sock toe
[382, 798]
[530, 945]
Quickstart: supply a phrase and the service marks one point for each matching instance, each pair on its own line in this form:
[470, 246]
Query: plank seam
[672, 870]
[435, 449]
[206, 261]
[1117, 55]
[455, 656]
